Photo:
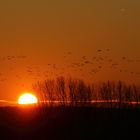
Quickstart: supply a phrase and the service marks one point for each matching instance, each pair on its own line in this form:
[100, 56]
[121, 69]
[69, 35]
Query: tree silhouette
[76, 92]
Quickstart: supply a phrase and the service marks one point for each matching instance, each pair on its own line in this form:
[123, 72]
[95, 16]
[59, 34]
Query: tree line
[75, 92]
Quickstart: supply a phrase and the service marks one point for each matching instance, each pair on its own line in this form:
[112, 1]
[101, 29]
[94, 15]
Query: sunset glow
[90, 40]
[27, 98]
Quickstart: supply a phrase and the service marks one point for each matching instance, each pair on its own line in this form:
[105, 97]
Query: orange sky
[50, 37]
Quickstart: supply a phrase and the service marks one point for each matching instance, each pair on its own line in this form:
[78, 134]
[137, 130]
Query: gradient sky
[95, 40]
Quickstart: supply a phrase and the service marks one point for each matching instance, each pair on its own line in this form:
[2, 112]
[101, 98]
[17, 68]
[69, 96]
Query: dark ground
[54, 123]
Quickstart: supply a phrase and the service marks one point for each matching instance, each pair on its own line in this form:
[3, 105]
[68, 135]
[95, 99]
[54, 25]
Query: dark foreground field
[54, 123]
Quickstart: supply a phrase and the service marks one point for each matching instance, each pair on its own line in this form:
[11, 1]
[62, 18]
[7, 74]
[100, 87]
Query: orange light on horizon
[27, 98]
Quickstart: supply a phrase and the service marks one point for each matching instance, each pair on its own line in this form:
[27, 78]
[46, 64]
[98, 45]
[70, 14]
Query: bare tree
[136, 94]
[90, 94]
[61, 90]
[119, 93]
[49, 91]
[72, 84]
[38, 88]
[77, 92]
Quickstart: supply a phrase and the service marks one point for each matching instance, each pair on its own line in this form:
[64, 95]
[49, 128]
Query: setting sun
[27, 98]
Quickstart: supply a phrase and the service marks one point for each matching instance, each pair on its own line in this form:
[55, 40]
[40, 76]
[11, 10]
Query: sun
[27, 98]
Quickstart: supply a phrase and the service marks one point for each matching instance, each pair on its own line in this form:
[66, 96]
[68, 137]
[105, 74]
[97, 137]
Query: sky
[94, 40]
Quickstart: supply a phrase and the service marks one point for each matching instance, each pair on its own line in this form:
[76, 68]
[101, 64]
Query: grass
[54, 123]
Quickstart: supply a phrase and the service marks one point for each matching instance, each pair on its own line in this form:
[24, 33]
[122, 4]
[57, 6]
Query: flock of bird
[102, 61]
[93, 65]
[9, 58]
